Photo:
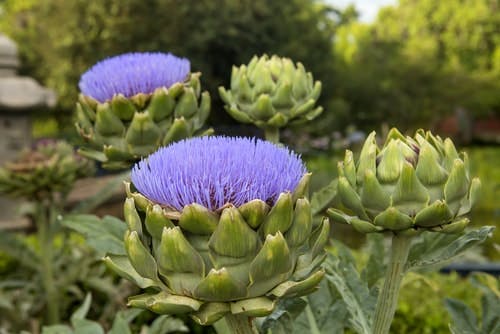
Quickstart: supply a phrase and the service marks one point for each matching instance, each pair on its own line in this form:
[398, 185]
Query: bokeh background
[407, 63]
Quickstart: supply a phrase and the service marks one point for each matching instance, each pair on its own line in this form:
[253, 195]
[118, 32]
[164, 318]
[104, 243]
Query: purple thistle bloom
[133, 73]
[214, 171]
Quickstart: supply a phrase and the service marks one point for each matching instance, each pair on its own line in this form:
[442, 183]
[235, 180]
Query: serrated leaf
[375, 267]
[281, 320]
[435, 248]
[326, 312]
[322, 198]
[104, 235]
[360, 304]
[463, 319]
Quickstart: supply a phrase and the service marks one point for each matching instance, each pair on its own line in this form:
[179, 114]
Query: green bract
[236, 259]
[122, 130]
[271, 93]
[406, 186]
[38, 174]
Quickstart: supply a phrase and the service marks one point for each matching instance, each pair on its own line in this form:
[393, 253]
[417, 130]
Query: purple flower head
[214, 171]
[133, 73]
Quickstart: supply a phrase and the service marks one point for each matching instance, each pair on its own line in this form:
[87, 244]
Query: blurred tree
[60, 39]
[420, 61]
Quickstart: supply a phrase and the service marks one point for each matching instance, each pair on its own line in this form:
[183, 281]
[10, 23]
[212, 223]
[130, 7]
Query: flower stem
[272, 135]
[240, 324]
[45, 238]
[388, 298]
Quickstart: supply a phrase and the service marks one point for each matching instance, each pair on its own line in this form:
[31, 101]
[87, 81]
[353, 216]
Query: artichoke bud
[272, 92]
[302, 189]
[280, 216]
[177, 131]
[197, 219]
[263, 82]
[122, 107]
[412, 184]
[302, 223]
[140, 258]
[134, 116]
[271, 265]
[263, 107]
[164, 303]
[187, 104]
[218, 285]
[107, 123]
[162, 104]
[254, 212]
[233, 237]
[175, 254]
[156, 221]
[131, 216]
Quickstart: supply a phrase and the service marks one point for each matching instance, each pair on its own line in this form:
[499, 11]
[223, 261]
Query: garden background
[421, 63]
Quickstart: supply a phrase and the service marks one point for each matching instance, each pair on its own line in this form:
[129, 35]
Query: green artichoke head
[408, 185]
[271, 93]
[207, 263]
[119, 131]
[40, 173]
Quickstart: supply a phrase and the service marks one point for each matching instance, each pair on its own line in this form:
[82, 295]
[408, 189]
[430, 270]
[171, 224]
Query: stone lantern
[20, 96]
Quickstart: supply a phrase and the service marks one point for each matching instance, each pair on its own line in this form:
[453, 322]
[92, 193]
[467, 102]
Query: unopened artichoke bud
[409, 185]
[227, 229]
[134, 103]
[271, 93]
[49, 168]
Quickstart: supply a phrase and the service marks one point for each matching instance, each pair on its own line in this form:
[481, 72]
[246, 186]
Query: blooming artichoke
[49, 168]
[219, 225]
[406, 186]
[134, 103]
[271, 93]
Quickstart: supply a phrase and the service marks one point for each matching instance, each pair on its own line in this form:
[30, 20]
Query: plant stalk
[272, 135]
[240, 324]
[388, 298]
[43, 221]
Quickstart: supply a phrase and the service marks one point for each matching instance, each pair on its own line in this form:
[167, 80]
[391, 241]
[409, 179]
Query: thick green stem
[46, 243]
[388, 298]
[240, 324]
[272, 135]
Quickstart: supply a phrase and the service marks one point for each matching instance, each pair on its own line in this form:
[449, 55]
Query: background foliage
[420, 60]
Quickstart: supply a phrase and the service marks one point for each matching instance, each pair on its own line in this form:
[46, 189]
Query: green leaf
[463, 319]
[57, 329]
[375, 267]
[122, 320]
[322, 198]
[17, 249]
[435, 248]
[83, 326]
[281, 320]
[82, 311]
[325, 313]
[360, 304]
[103, 235]
[167, 324]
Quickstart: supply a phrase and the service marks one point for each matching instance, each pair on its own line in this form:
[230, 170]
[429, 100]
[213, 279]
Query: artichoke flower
[49, 168]
[219, 226]
[407, 186]
[134, 103]
[271, 93]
